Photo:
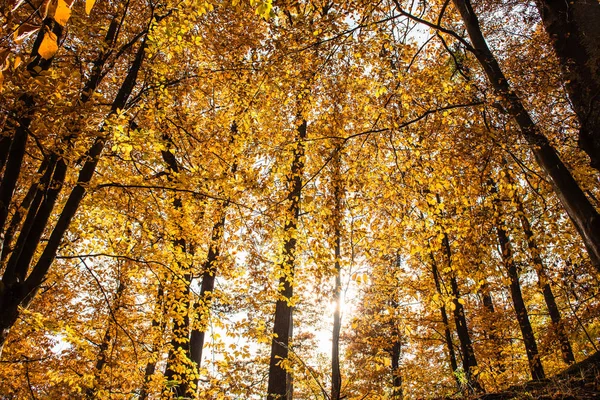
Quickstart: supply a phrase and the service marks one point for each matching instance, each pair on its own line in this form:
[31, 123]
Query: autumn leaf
[48, 47]
[89, 4]
[62, 12]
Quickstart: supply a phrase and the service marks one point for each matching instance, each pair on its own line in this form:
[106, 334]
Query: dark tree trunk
[31, 199]
[178, 358]
[336, 377]
[575, 35]
[23, 122]
[15, 155]
[396, 353]
[488, 305]
[445, 322]
[583, 215]
[460, 320]
[208, 285]
[535, 364]
[179, 369]
[279, 379]
[544, 283]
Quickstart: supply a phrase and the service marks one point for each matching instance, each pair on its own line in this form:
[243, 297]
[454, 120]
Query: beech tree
[295, 199]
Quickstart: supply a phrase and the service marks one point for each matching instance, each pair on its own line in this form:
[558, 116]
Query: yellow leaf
[48, 47]
[88, 6]
[62, 13]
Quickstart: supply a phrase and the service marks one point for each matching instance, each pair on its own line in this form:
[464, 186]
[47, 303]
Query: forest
[297, 199]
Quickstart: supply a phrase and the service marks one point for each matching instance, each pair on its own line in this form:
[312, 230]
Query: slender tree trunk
[279, 378]
[583, 215]
[336, 377]
[209, 275]
[535, 364]
[575, 35]
[488, 305]
[544, 283]
[445, 322]
[466, 346]
[179, 370]
[396, 373]
[208, 284]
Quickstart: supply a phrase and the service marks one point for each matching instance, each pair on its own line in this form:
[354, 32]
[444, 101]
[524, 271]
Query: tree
[576, 204]
[574, 35]
[230, 170]
[280, 383]
[22, 278]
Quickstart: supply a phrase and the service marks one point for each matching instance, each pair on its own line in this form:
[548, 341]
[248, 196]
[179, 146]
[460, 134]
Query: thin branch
[110, 310]
[437, 27]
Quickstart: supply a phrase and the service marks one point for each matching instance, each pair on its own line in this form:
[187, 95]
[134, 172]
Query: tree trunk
[488, 305]
[583, 215]
[447, 333]
[279, 378]
[208, 284]
[575, 35]
[535, 364]
[209, 275]
[396, 375]
[179, 369]
[336, 377]
[544, 282]
[466, 346]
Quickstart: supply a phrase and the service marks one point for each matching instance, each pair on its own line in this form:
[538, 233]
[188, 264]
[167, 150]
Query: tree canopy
[231, 199]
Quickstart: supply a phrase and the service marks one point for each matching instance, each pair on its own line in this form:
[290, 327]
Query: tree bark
[460, 320]
[583, 215]
[336, 377]
[543, 282]
[488, 305]
[208, 285]
[447, 332]
[179, 368]
[279, 384]
[575, 35]
[396, 353]
[535, 364]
